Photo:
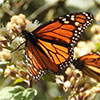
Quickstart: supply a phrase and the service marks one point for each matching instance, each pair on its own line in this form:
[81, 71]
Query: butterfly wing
[64, 30]
[55, 42]
[89, 64]
[38, 63]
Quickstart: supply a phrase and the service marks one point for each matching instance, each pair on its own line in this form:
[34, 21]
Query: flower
[17, 24]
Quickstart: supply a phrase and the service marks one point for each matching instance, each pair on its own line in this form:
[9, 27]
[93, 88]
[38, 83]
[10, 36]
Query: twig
[41, 9]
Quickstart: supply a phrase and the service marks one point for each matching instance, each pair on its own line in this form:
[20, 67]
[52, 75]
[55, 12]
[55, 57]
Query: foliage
[17, 93]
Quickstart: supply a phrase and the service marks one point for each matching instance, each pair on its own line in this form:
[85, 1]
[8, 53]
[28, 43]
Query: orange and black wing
[64, 30]
[57, 38]
[89, 64]
[38, 63]
[55, 42]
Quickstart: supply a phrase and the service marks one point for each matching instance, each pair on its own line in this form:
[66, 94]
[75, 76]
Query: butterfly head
[29, 36]
[25, 33]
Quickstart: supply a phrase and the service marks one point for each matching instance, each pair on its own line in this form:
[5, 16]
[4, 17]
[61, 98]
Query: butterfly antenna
[18, 47]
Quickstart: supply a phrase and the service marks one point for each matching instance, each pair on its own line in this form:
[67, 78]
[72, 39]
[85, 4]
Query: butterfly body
[50, 46]
[89, 64]
[29, 36]
[78, 64]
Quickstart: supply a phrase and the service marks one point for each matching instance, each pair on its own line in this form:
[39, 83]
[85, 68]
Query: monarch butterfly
[50, 46]
[89, 64]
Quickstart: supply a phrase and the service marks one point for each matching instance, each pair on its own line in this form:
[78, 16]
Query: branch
[42, 9]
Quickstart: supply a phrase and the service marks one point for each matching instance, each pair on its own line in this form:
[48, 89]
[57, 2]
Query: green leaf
[18, 96]
[17, 93]
[29, 93]
[16, 89]
[19, 80]
[5, 94]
